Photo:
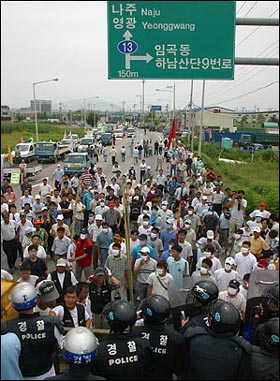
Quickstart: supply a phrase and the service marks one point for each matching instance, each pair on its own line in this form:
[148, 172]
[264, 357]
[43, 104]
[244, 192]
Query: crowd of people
[204, 271]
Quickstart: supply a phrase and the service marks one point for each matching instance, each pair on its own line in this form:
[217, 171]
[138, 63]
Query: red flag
[172, 134]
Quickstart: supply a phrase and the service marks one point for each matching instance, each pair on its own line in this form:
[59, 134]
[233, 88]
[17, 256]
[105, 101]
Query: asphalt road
[48, 169]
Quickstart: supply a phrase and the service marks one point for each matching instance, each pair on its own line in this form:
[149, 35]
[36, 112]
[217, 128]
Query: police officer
[265, 358]
[268, 308]
[38, 335]
[79, 347]
[122, 356]
[168, 345]
[203, 293]
[215, 352]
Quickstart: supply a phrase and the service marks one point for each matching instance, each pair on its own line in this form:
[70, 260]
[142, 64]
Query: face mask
[145, 223]
[145, 211]
[105, 230]
[203, 271]
[153, 235]
[102, 203]
[159, 271]
[164, 207]
[190, 212]
[91, 218]
[154, 212]
[237, 236]
[187, 226]
[232, 291]
[83, 236]
[207, 254]
[227, 267]
[210, 213]
[153, 192]
[142, 243]
[168, 226]
[258, 219]
[115, 253]
[244, 250]
[144, 257]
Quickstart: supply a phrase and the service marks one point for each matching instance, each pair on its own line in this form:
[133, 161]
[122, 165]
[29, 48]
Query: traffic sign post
[171, 39]
[155, 108]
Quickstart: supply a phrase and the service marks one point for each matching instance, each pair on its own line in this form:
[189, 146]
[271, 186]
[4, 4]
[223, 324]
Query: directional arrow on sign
[128, 58]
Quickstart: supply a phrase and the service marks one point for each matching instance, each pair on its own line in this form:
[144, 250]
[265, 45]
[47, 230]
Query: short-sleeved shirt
[244, 264]
[59, 311]
[146, 269]
[158, 289]
[103, 240]
[223, 278]
[177, 270]
[118, 266]
[238, 301]
[60, 246]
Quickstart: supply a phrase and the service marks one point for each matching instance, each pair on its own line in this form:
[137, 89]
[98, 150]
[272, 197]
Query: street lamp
[170, 91]
[86, 99]
[35, 108]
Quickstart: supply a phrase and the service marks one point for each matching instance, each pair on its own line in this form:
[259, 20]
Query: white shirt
[8, 231]
[244, 264]
[41, 253]
[15, 217]
[238, 301]
[6, 275]
[158, 289]
[123, 248]
[32, 280]
[59, 311]
[61, 277]
[45, 189]
[223, 278]
[257, 212]
[26, 199]
[116, 188]
[143, 230]
[4, 207]
[187, 250]
[216, 264]
[133, 244]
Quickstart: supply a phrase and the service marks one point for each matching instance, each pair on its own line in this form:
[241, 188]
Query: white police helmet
[79, 346]
[23, 296]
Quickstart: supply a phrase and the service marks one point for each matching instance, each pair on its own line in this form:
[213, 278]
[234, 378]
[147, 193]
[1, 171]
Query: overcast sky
[68, 39]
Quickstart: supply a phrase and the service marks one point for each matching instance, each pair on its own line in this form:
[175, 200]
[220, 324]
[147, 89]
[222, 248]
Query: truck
[50, 152]
[30, 171]
[76, 162]
[27, 151]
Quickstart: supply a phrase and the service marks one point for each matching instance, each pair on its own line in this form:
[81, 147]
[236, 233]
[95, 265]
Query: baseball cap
[257, 229]
[48, 195]
[60, 217]
[29, 229]
[145, 250]
[262, 203]
[37, 221]
[188, 222]
[136, 198]
[164, 203]
[234, 284]
[61, 262]
[111, 203]
[22, 214]
[44, 208]
[204, 198]
[58, 165]
[148, 167]
[47, 291]
[170, 221]
[37, 197]
[210, 234]
[229, 261]
[263, 263]
[142, 237]
[100, 271]
[98, 217]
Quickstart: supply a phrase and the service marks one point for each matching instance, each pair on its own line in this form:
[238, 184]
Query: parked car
[130, 132]
[106, 139]
[254, 147]
[119, 133]
[83, 145]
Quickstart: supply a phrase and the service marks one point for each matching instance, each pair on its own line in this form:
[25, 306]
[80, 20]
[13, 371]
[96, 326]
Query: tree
[244, 120]
[273, 119]
[260, 119]
[92, 118]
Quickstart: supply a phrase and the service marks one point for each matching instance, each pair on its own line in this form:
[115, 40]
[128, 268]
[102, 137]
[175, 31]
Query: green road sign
[171, 39]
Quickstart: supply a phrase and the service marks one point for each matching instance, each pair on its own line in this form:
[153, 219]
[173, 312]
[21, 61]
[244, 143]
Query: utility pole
[201, 118]
[127, 239]
[143, 98]
[190, 115]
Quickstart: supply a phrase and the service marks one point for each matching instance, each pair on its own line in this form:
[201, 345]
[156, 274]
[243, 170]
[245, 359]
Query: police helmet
[79, 346]
[155, 309]
[205, 291]
[268, 334]
[121, 315]
[23, 296]
[223, 318]
[271, 295]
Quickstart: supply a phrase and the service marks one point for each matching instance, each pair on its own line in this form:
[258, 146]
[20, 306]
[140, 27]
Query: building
[215, 117]
[42, 106]
[5, 113]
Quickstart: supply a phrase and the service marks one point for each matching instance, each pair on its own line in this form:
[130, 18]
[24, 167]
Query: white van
[27, 151]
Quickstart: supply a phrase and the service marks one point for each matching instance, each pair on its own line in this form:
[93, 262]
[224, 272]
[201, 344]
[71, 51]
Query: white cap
[188, 222]
[145, 249]
[164, 203]
[204, 198]
[170, 221]
[98, 217]
[229, 261]
[61, 262]
[257, 229]
[210, 234]
[60, 217]
[58, 165]
[37, 197]
[148, 167]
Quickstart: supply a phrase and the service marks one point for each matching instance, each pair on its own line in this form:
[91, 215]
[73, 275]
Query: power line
[252, 7]
[241, 7]
[251, 92]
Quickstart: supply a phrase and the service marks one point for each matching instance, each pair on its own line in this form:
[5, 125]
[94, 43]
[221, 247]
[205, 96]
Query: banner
[10, 157]
[15, 177]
